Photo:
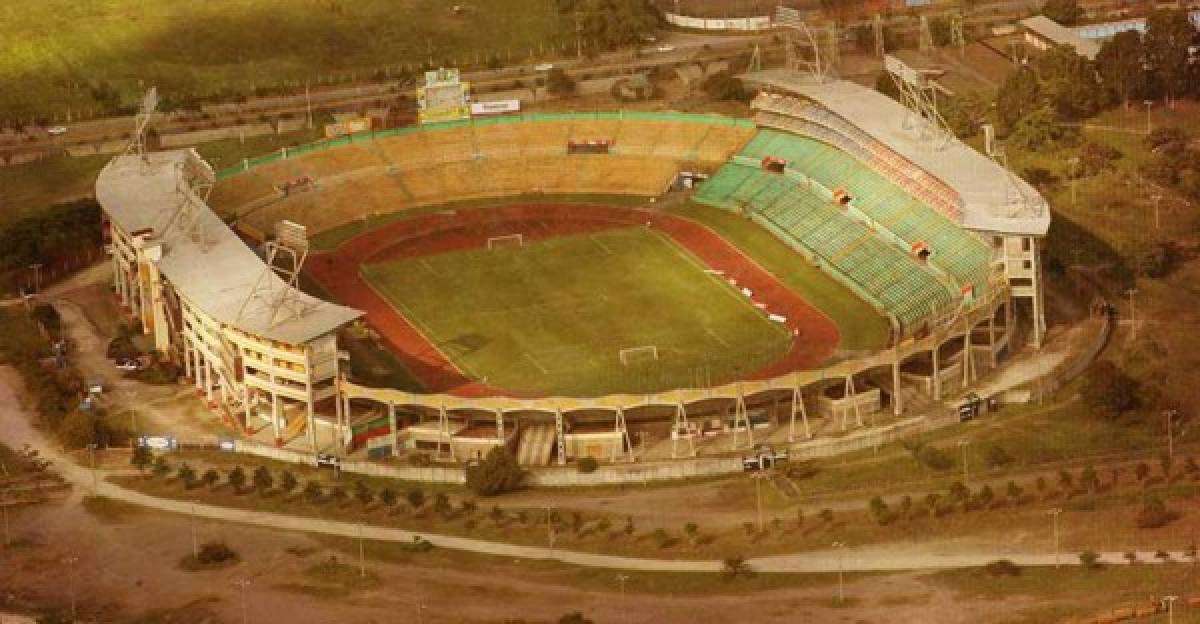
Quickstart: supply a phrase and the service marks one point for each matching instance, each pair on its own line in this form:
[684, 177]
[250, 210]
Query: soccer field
[552, 317]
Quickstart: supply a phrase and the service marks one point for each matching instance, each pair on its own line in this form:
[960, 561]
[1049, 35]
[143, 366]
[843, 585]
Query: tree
[724, 86]
[338, 494]
[186, 475]
[575, 617]
[879, 510]
[141, 458]
[1089, 559]
[497, 515]
[629, 528]
[986, 496]
[1141, 471]
[388, 497]
[1095, 157]
[1089, 479]
[606, 24]
[288, 482]
[161, 467]
[363, 494]
[1168, 36]
[496, 474]
[1018, 97]
[1065, 12]
[1013, 492]
[313, 492]
[1120, 63]
[958, 492]
[1109, 391]
[826, 515]
[441, 504]
[1065, 480]
[559, 82]
[735, 566]
[210, 478]
[692, 530]
[415, 499]
[997, 457]
[1040, 130]
[78, 430]
[262, 479]
[236, 478]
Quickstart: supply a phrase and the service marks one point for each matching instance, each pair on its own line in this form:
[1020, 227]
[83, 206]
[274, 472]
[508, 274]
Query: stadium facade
[941, 240]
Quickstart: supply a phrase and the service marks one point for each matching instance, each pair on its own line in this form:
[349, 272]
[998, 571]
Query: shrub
[288, 482]
[1089, 559]
[236, 478]
[262, 479]
[313, 492]
[210, 478]
[415, 499]
[363, 494]
[1002, 567]
[161, 467]
[735, 566]
[1155, 514]
[826, 515]
[215, 553]
[1109, 391]
[496, 474]
[142, 458]
[186, 474]
[935, 458]
[1131, 557]
[587, 465]
[996, 457]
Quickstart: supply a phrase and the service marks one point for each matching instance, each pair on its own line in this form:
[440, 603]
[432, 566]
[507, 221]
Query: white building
[259, 350]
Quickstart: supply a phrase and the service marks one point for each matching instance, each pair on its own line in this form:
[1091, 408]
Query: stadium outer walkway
[17, 431]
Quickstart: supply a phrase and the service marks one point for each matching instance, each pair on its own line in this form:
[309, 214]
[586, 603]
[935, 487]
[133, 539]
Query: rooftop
[215, 272]
[993, 198]
[1054, 32]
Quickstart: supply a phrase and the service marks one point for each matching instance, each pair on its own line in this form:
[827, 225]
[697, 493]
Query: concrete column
[208, 379]
[276, 414]
[897, 398]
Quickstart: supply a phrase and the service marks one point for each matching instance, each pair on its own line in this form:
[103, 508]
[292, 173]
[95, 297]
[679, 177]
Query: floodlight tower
[877, 29]
[919, 96]
[956, 33]
[824, 54]
[926, 40]
[276, 287]
[145, 115]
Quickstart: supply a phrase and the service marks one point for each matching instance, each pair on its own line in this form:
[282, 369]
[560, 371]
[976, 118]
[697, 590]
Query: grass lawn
[552, 316]
[859, 326]
[60, 50]
[32, 187]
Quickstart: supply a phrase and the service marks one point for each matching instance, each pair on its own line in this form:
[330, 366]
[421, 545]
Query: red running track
[814, 335]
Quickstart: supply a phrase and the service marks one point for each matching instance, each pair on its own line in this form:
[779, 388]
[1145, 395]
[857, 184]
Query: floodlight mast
[825, 55]
[919, 96]
[281, 297]
[142, 121]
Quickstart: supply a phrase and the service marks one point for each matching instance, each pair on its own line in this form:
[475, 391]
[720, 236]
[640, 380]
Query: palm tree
[288, 482]
[416, 499]
[262, 479]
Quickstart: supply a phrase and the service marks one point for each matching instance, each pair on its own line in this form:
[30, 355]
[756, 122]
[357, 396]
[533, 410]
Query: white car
[543, 67]
[129, 365]
[666, 47]
[56, 131]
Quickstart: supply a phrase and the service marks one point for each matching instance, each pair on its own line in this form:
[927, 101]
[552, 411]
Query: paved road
[16, 431]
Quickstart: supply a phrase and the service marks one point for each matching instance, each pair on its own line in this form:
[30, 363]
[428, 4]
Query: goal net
[508, 240]
[638, 355]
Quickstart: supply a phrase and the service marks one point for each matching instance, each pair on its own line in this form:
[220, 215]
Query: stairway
[536, 445]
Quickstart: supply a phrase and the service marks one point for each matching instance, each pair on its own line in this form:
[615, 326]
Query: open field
[552, 316]
[68, 54]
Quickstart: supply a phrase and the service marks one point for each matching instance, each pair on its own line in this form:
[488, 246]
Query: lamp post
[1170, 414]
[758, 477]
[621, 578]
[1170, 600]
[1054, 513]
[1132, 311]
[963, 444]
[841, 549]
[1148, 103]
[242, 583]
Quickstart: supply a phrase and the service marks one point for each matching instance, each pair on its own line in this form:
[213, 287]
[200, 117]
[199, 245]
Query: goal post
[638, 355]
[507, 240]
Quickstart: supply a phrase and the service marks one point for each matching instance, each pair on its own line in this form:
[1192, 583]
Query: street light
[1148, 104]
[621, 578]
[1170, 600]
[841, 548]
[758, 477]
[1132, 311]
[963, 444]
[1054, 516]
[1170, 414]
[242, 583]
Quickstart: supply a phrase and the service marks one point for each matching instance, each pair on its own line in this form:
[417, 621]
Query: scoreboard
[445, 97]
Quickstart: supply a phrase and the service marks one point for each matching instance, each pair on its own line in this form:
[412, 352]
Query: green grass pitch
[552, 316]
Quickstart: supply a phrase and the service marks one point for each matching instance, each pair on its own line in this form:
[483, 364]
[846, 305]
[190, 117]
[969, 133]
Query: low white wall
[729, 23]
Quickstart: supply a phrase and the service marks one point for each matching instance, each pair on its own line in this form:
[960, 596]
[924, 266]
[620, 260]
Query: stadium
[535, 277]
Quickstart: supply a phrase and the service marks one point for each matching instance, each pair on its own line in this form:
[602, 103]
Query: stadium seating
[809, 220]
[954, 250]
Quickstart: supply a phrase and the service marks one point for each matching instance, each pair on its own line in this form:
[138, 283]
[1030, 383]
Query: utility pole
[966, 470]
[242, 583]
[1170, 414]
[621, 578]
[195, 542]
[362, 553]
[1170, 600]
[758, 477]
[71, 561]
[1054, 513]
[1132, 312]
[841, 550]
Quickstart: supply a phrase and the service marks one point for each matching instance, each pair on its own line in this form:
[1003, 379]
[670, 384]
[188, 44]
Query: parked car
[325, 460]
[665, 47]
[129, 365]
[543, 67]
[56, 130]
[763, 457]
